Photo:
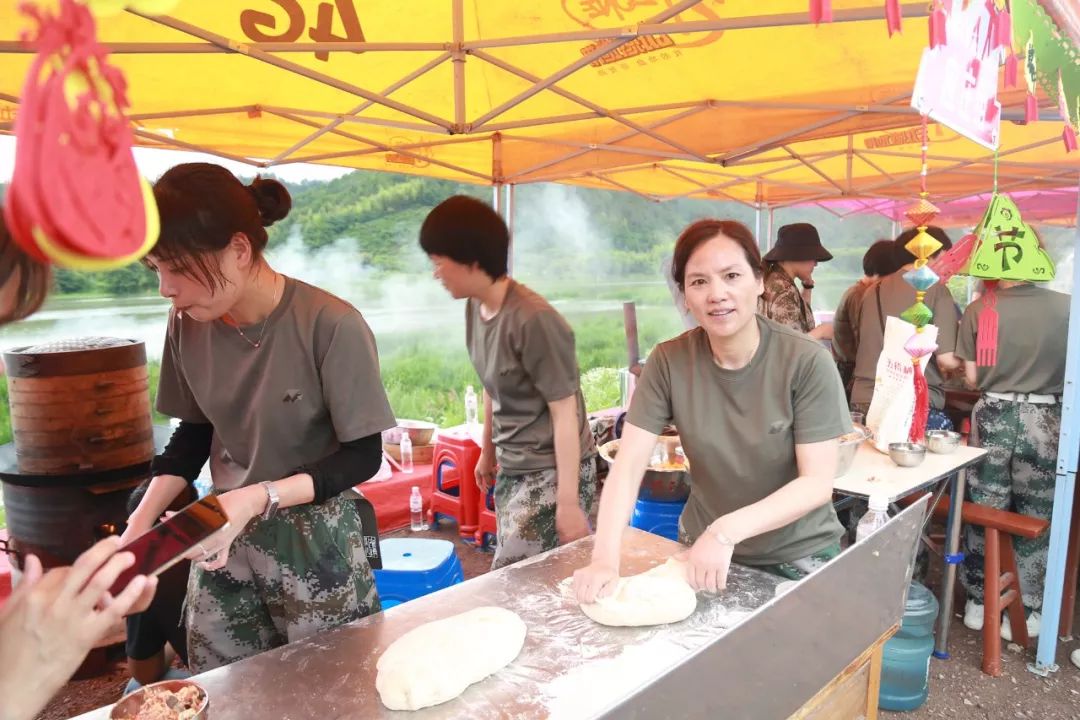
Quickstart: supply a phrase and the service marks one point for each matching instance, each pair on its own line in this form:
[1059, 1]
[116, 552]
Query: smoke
[397, 306]
[548, 216]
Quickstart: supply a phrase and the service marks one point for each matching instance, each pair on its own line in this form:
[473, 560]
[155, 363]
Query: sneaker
[973, 615]
[1034, 623]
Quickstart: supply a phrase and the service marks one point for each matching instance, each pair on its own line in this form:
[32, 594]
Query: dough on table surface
[656, 597]
[426, 666]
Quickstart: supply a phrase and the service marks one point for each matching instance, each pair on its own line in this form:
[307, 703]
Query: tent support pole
[1064, 487]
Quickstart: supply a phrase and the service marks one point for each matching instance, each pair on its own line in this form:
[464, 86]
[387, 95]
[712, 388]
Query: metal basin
[420, 432]
[129, 705]
[942, 442]
[907, 454]
[664, 485]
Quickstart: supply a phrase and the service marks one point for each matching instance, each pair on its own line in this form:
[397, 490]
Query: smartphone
[165, 544]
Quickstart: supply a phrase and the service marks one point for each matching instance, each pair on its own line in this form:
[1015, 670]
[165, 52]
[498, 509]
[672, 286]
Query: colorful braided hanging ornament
[922, 278]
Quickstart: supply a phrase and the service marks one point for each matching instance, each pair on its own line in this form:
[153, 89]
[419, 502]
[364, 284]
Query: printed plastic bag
[893, 406]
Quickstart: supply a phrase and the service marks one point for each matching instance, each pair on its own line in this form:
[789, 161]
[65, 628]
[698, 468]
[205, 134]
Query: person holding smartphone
[277, 383]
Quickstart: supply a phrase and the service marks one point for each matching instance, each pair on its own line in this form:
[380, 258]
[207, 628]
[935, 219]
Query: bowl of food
[667, 478]
[906, 454]
[849, 445]
[419, 431]
[942, 442]
[165, 700]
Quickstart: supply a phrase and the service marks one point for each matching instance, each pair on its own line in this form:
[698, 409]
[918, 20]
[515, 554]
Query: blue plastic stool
[659, 518]
[413, 567]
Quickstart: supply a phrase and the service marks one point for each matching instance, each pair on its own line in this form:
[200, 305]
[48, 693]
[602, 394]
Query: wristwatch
[272, 500]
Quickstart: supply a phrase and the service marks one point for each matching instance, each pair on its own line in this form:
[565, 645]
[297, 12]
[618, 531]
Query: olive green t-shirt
[896, 297]
[525, 359]
[739, 429]
[1033, 327]
[312, 383]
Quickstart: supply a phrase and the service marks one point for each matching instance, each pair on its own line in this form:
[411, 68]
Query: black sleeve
[186, 453]
[353, 463]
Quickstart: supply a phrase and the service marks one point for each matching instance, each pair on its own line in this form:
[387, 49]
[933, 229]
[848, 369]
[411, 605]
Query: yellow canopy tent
[686, 98]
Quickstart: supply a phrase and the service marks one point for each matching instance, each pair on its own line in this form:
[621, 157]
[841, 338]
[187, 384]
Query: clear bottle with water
[875, 519]
[416, 510]
[472, 406]
[406, 453]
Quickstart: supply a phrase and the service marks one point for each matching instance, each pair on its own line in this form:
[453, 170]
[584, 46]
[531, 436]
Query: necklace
[262, 328]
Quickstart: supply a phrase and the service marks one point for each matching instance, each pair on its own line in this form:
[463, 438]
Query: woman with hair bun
[277, 383]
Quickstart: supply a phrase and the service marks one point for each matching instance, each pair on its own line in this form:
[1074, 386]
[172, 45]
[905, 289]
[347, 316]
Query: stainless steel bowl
[942, 442]
[849, 445]
[665, 485]
[420, 432]
[907, 454]
[129, 705]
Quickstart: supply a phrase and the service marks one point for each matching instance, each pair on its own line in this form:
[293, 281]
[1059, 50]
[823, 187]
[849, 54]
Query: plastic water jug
[905, 666]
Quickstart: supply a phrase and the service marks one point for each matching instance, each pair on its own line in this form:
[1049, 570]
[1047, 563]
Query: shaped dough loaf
[655, 597]
[424, 666]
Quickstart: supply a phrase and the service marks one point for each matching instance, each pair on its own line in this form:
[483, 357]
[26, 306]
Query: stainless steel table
[742, 654]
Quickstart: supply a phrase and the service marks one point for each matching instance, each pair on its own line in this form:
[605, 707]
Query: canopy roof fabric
[662, 97]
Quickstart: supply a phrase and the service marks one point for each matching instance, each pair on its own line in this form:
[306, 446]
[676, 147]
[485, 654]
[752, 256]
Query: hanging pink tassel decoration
[922, 406]
[820, 11]
[1003, 29]
[937, 26]
[1031, 109]
[1011, 70]
[1068, 136]
[892, 16]
[986, 334]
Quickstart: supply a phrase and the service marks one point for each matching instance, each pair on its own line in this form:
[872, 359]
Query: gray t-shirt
[525, 359]
[312, 384]
[1033, 330]
[739, 429]
[896, 297]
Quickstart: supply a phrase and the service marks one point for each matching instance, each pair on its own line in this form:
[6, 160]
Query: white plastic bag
[893, 406]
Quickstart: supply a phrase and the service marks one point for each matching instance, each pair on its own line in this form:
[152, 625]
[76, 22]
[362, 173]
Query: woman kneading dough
[759, 408]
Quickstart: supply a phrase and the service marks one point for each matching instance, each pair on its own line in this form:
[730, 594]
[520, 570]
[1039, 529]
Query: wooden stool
[1001, 583]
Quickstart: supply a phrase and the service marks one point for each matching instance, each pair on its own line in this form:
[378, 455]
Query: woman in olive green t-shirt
[758, 407]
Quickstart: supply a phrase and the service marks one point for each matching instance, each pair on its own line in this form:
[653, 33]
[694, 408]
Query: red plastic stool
[453, 481]
[488, 524]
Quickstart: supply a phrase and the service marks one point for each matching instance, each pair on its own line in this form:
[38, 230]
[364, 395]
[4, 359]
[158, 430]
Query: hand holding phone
[168, 542]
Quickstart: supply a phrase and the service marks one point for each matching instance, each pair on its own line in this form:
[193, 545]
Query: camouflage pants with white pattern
[525, 511]
[289, 577]
[1018, 474]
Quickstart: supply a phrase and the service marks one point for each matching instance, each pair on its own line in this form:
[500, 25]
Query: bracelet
[807, 287]
[721, 538]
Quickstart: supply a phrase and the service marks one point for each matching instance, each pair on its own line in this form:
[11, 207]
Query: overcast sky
[153, 163]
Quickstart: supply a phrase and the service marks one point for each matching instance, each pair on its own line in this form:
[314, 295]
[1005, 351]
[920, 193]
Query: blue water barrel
[905, 666]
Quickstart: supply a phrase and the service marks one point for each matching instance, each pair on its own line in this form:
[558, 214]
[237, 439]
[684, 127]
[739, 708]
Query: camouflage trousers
[525, 511]
[1017, 474]
[798, 569]
[289, 577]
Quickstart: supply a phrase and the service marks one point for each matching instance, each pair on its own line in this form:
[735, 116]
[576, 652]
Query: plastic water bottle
[406, 453]
[416, 510]
[472, 414]
[874, 520]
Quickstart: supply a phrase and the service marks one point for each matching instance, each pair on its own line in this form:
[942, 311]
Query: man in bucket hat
[797, 252]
